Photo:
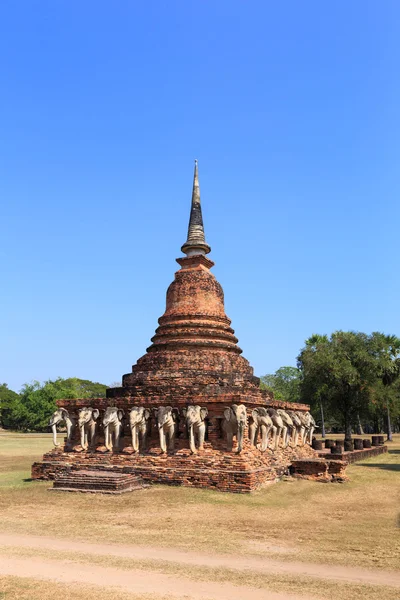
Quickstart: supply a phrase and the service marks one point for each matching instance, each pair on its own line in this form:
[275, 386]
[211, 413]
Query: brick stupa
[193, 359]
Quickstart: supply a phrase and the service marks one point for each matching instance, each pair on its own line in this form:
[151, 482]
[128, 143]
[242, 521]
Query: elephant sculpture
[87, 424]
[281, 428]
[234, 423]
[61, 414]
[196, 426]
[139, 424]
[112, 423]
[261, 422]
[298, 426]
[305, 426]
[288, 423]
[167, 418]
[310, 427]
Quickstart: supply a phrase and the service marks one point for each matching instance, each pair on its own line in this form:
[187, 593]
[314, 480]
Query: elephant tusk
[54, 430]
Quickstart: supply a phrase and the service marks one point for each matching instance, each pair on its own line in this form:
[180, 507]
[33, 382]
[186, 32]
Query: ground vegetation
[294, 527]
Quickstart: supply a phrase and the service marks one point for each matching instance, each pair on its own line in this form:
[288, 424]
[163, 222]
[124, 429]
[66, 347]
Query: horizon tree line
[351, 380]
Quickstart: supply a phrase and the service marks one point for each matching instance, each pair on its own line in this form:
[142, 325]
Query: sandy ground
[135, 581]
[140, 581]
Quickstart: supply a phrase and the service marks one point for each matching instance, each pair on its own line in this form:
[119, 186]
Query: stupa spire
[196, 241]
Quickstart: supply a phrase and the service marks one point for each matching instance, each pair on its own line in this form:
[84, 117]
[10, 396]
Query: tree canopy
[349, 371]
[284, 383]
[30, 410]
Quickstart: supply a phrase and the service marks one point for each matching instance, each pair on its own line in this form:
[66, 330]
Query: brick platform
[97, 481]
[215, 469]
[354, 455]
[319, 469]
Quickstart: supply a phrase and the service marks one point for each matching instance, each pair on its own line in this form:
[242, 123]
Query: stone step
[95, 491]
[99, 481]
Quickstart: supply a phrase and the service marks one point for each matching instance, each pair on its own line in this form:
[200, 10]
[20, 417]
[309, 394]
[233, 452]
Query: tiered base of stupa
[214, 467]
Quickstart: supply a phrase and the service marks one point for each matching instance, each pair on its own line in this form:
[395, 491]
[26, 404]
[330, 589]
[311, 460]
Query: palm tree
[387, 350]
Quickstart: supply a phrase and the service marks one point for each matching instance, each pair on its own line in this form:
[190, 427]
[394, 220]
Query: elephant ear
[64, 413]
[228, 414]
[155, 411]
[203, 413]
[146, 414]
[175, 413]
[255, 413]
[120, 414]
[95, 413]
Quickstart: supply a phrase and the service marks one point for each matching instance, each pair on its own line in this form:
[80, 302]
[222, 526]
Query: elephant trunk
[54, 430]
[264, 439]
[192, 445]
[135, 444]
[163, 444]
[252, 433]
[107, 438]
[117, 436]
[202, 435]
[83, 441]
[303, 432]
[68, 423]
[240, 437]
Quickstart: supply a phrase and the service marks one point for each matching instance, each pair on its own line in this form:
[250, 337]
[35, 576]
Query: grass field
[352, 524]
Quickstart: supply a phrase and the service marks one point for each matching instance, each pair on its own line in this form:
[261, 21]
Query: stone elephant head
[260, 422]
[87, 418]
[139, 418]
[278, 423]
[288, 426]
[61, 414]
[195, 422]
[234, 423]
[112, 423]
[304, 425]
[167, 418]
[297, 425]
[310, 425]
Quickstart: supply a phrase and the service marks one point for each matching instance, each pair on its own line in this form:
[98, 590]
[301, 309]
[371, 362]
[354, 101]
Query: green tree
[284, 383]
[341, 369]
[38, 400]
[8, 399]
[314, 390]
[386, 350]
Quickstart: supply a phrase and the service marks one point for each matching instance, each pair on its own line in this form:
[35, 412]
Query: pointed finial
[196, 241]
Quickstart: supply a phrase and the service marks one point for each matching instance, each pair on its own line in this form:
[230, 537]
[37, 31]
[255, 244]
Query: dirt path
[263, 565]
[134, 581]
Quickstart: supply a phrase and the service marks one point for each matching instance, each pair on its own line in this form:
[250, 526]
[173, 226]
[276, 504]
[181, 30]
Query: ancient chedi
[191, 412]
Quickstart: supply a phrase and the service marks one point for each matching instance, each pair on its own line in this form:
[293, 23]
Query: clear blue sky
[292, 109]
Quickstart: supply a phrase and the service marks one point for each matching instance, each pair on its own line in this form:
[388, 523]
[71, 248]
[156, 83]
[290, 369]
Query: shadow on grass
[393, 451]
[383, 466]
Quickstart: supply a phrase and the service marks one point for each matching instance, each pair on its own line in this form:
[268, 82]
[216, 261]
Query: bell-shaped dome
[194, 345]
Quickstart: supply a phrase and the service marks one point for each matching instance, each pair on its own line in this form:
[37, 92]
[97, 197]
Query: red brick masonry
[193, 359]
[355, 455]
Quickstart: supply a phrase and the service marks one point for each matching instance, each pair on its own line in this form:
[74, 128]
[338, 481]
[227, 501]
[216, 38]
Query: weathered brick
[193, 359]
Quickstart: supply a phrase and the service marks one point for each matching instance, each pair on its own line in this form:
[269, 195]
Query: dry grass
[19, 588]
[352, 524]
